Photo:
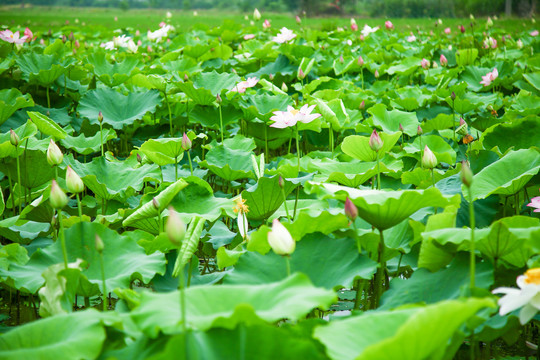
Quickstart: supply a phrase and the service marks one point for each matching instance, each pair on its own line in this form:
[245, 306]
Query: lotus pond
[241, 191]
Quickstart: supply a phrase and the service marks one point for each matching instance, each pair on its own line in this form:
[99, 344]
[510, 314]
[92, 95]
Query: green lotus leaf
[334, 113]
[262, 106]
[232, 159]
[440, 122]
[533, 79]
[40, 68]
[112, 74]
[47, 126]
[208, 116]
[199, 96]
[399, 334]
[422, 178]
[424, 286]
[384, 209]
[216, 82]
[282, 66]
[473, 75]
[79, 335]
[405, 66]
[12, 100]
[189, 244]
[262, 342]
[219, 235]
[112, 179]
[506, 176]
[466, 57]
[358, 148]
[118, 110]
[87, 145]
[335, 269]
[341, 67]
[389, 121]
[148, 210]
[442, 150]
[226, 306]
[22, 231]
[151, 81]
[24, 132]
[123, 259]
[35, 170]
[5, 64]
[163, 151]
[520, 138]
[198, 199]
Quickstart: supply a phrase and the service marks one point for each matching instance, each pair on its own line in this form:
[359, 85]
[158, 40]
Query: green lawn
[42, 18]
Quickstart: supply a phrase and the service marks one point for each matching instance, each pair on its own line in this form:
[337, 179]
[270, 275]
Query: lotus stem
[265, 140]
[472, 249]
[378, 172]
[453, 120]
[285, 204]
[362, 72]
[48, 98]
[19, 177]
[175, 168]
[101, 135]
[379, 275]
[190, 165]
[170, 114]
[62, 238]
[12, 195]
[298, 148]
[221, 122]
[182, 297]
[79, 206]
[103, 278]
[288, 264]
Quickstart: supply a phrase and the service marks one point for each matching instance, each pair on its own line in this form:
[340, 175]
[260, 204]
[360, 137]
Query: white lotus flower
[526, 297]
[284, 36]
[280, 239]
[368, 30]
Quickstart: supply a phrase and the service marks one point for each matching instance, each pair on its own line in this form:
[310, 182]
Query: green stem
[472, 249]
[182, 299]
[359, 286]
[296, 201]
[190, 165]
[378, 172]
[221, 123]
[160, 223]
[298, 148]
[265, 140]
[101, 135]
[79, 206]
[62, 239]
[285, 204]
[379, 276]
[331, 139]
[48, 99]
[288, 265]
[362, 78]
[105, 293]
[19, 178]
[170, 114]
[176, 168]
[454, 120]
[12, 195]
[421, 152]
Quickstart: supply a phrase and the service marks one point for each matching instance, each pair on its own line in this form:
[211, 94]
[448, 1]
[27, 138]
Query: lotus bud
[462, 29]
[463, 128]
[280, 240]
[376, 74]
[375, 141]
[351, 211]
[401, 128]
[64, 39]
[419, 130]
[388, 24]
[155, 203]
[100, 117]
[99, 244]
[281, 182]
[429, 160]
[425, 64]
[489, 22]
[29, 34]
[466, 174]
[301, 74]
[186, 78]
[519, 43]
[453, 96]
[54, 154]
[256, 14]
[139, 158]
[73, 181]
[298, 20]
[341, 59]
[58, 198]
[444, 60]
[271, 77]
[360, 61]
[284, 87]
[218, 99]
[266, 24]
[13, 138]
[186, 143]
[354, 26]
[362, 105]
[439, 21]
[175, 228]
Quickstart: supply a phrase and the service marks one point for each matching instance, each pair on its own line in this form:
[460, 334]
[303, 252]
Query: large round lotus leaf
[405, 66]
[12, 100]
[334, 269]
[472, 75]
[506, 176]
[24, 132]
[520, 138]
[196, 95]
[226, 306]
[87, 145]
[400, 334]
[261, 342]
[389, 121]
[232, 159]
[262, 106]
[208, 116]
[110, 179]
[118, 110]
[40, 68]
[163, 151]
[216, 82]
[79, 335]
[47, 126]
[112, 74]
[424, 286]
[353, 173]
[151, 81]
[358, 146]
[35, 170]
[442, 150]
[384, 209]
[124, 260]
[22, 231]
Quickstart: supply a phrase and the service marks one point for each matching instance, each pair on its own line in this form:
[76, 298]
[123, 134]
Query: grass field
[42, 19]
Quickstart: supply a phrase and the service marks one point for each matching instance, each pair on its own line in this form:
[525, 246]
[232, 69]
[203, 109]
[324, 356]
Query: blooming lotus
[243, 85]
[411, 38]
[284, 36]
[490, 43]
[447, 31]
[388, 24]
[368, 30]
[526, 297]
[249, 36]
[159, 34]
[534, 33]
[489, 77]
[12, 38]
[290, 117]
[29, 34]
[266, 24]
[535, 203]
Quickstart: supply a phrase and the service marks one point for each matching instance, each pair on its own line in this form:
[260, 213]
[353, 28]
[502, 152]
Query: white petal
[511, 302]
[527, 313]
[242, 225]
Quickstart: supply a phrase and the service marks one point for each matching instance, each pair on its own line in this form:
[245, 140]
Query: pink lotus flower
[290, 117]
[266, 24]
[490, 42]
[447, 31]
[29, 34]
[354, 26]
[388, 24]
[285, 35]
[12, 38]
[243, 85]
[249, 36]
[489, 77]
[411, 38]
[360, 61]
[425, 64]
[535, 203]
[443, 60]
[534, 33]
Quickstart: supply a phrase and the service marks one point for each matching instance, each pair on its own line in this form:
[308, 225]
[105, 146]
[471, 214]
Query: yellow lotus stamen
[240, 207]
[294, 111]
[532, 276]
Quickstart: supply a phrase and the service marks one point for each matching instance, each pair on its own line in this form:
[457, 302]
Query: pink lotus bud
[73, 181]
[443, 60]
[361, 37]
[351, 211]
[186, 143]
[447, 31]
[360, 61]
[175, 227]
[301, 74]
[401, 128]
[298, 20]
[138, 32]
[42, 42]
[281, 182]
[100, 117]
[375, 141]
[341, 59]
[139, 158]
[266, 24]
[376, 74]
[462, 29]
[461, 121]
[388, 24]
[155, 203]
[429, 160]
[354, 26]
[425, 64]
[76, 44]
[453, 96]
[116, 18]
[271, 77]
[466, 174]
[13, 138]
[284, 87]
[218, 99]
[280, 239]
[54, 154]
[186, 78]
[419, 130]
[29, 35]
[362, 105]
[57, 198]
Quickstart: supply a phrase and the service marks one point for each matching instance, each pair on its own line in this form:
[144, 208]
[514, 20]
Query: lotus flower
[54, 154]
[447, 31]
[489, 77]
[243, 85]
[368, 30]
[284, 36]
[175, 227]
[526, 297]
[411, 38]
[73, 181]
[249, 36]
[280, 239]
[256, 14]
[12, 38]
[57, 198]
[388, 24]
[375, 141]
[429, 160]
[266, 24]
[29, 34]
[290, 117]
[534, 33]
[298, 20]
[535, 203]
[354, 26]
[425, 64]
[444, 60]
